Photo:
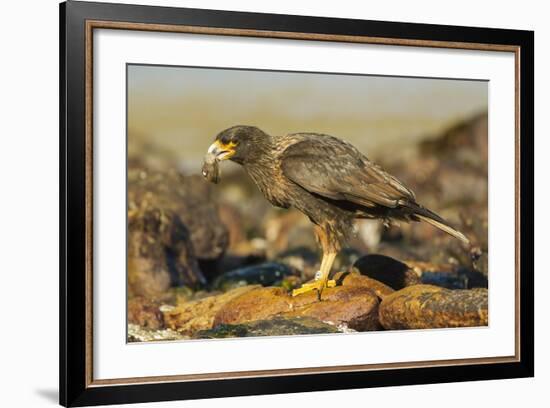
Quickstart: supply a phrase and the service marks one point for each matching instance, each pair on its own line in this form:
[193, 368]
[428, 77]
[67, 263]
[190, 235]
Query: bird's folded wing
[336, 170]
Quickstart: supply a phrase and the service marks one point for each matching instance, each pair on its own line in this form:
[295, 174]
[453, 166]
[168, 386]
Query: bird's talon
[315, 285]
[307, 287]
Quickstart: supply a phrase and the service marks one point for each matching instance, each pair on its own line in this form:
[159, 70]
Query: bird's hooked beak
[219, 151]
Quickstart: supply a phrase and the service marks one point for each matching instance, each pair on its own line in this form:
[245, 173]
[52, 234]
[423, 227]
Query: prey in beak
[216, 153]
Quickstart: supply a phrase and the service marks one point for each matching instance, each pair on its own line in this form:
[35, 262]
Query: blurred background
[189, 239]
[177, 111]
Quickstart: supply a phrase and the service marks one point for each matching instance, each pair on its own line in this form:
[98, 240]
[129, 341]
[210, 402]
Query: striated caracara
[324, 177]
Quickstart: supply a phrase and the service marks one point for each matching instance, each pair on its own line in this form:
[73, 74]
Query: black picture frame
[75, 388]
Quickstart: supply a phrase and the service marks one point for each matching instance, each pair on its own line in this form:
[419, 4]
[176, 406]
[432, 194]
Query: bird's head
[241, 144]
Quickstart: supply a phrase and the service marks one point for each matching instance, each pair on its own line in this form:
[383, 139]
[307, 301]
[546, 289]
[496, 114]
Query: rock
[449, 280]
[257, 304]
[480, 261]
[291, 282]
[191, 316]
[180, 294]
[145, 313]
[427, 306]
[448, 276]
[356, 279]
[389, 271]
[474, 279]
[465, 143]
[172, 223]
[266, 274]
[138, 334]
[353, 307]
[277, 326]
[190, 197]
[160, 253]
[350, 306]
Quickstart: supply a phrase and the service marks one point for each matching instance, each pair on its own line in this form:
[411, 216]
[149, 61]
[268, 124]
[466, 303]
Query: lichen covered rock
[427, 306]
[277, 326]
[191, 316]
[348, 305]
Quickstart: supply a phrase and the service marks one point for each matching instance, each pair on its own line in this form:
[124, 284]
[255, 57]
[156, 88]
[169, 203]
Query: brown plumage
[324, 177]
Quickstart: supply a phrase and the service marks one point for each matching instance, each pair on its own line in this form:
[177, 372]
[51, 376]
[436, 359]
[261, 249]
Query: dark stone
[459, 278]
[266, 274]
[476, 279]
[449, 276]
[277, 326]
[449, 280]
[389, 271]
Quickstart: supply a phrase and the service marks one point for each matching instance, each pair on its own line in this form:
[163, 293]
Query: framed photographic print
[256, 203]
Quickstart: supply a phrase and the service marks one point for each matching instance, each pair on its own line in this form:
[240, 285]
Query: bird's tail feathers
[432, 218]
[444, 227]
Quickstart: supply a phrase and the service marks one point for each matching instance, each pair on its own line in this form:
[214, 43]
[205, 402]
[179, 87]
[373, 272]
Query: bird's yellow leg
[313, 285]
[321, 278]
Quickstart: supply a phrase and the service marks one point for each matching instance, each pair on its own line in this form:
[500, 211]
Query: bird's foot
[317, 284]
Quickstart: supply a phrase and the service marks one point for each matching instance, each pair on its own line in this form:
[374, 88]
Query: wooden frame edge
[91, 24]
[291, 35]
[298, 371]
